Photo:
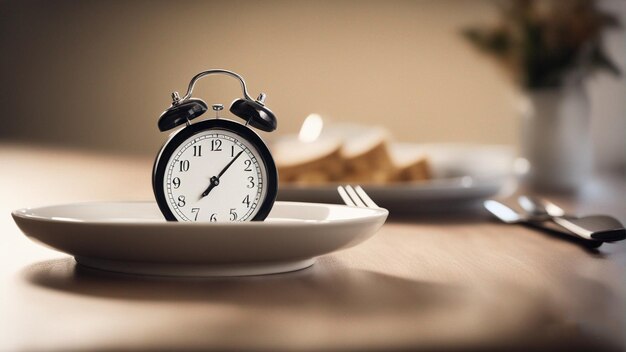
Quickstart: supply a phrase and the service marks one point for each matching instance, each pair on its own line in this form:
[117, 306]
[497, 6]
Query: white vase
[556, 138]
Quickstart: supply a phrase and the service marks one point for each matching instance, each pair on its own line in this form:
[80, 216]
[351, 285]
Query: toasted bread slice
[411, 164]
[308, 163]
[366, 155]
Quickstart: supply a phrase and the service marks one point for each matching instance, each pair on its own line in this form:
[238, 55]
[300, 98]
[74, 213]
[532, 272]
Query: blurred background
[95, 75]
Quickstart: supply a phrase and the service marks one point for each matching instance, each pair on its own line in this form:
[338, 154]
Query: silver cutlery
[510, 216]
[356, 197]
[592, 227]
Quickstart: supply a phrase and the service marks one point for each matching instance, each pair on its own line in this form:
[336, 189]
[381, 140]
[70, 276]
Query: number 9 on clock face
[218, 174]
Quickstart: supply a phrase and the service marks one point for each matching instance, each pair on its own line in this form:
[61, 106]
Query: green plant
[545, 42]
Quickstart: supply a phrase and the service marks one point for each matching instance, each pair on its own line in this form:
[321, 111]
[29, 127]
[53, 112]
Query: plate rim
[22, 214]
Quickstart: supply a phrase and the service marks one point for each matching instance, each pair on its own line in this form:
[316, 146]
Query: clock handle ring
[195, 78]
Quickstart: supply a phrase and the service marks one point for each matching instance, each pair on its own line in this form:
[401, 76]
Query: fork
[356, 197]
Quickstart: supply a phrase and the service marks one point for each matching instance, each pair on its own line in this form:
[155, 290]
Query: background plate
[464, 175]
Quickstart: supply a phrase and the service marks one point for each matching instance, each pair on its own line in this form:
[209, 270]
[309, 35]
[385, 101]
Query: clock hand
[215, 180]
[229, 164]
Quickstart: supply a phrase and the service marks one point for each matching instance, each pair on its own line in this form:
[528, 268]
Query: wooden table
[421, 283]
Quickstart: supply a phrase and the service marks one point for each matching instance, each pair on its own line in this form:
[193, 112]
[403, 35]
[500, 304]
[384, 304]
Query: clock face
[215, 175]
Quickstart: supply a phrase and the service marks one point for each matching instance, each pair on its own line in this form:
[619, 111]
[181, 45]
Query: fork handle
[598, 227]
[573, 228]
[555, 229]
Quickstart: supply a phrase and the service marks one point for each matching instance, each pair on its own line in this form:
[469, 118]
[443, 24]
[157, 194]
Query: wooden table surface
[462, 283]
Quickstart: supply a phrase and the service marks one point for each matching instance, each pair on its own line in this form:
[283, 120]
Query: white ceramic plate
[133, 237]
[464, 175]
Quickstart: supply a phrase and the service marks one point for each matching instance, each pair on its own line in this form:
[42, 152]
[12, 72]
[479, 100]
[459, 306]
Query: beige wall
[97, 74]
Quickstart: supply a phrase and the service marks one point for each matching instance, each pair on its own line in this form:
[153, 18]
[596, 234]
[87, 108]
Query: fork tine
[365, 197]
[345, 197]
[355, 197]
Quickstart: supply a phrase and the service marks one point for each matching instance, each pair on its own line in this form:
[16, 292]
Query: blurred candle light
[311, 128]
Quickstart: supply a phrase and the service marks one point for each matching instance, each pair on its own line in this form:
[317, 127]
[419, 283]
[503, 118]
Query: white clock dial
[215, 175]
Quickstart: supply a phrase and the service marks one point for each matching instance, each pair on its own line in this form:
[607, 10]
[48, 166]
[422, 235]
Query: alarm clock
[215, 170]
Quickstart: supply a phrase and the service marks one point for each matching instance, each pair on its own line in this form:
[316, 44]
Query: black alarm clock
[215, 170]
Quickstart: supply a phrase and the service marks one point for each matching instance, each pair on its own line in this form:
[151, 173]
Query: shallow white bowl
[133, 237]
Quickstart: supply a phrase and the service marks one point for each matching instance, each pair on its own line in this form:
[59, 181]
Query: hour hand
[214, 182]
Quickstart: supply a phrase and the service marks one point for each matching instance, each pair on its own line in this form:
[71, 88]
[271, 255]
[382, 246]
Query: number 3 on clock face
[215, 171]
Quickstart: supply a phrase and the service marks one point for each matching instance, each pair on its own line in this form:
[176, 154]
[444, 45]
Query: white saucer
[133, 237]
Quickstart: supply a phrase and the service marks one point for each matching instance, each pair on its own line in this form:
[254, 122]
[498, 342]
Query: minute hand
[229, 164]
